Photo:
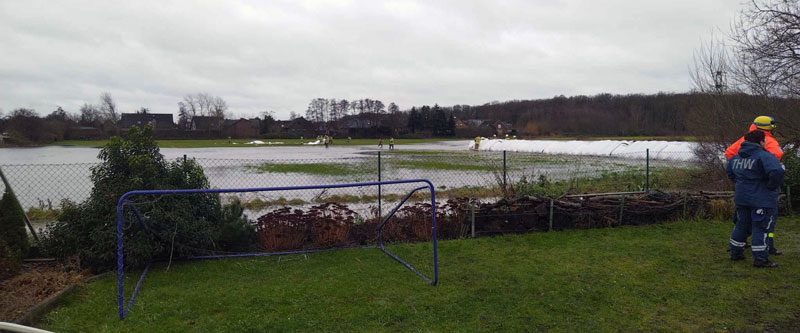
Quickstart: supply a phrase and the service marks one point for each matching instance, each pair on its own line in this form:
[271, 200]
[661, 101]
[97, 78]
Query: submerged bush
[179, 225]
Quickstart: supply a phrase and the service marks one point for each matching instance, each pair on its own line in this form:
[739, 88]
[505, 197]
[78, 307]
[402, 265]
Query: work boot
[775, 252]
[765, 264]
[737, 257]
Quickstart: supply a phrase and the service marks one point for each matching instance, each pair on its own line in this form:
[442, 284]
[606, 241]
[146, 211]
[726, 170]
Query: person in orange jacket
[766, 124]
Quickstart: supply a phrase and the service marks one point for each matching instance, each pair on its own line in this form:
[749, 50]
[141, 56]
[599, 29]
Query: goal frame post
[124, 200]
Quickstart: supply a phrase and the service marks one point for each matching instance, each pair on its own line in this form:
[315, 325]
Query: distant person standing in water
[380, 143]
[391, 143]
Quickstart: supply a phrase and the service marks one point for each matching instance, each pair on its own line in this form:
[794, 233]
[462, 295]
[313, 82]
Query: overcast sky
[278, 55]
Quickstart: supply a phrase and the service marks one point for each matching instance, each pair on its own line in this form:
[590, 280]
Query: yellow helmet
[766, 123]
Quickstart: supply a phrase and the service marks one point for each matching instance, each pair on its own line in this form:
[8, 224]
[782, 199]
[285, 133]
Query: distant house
[355, 123]
[473, 123]
[297, 125]
[476, 127]
[501, 128]
[242, 128]
[159, 121]
[206, 123]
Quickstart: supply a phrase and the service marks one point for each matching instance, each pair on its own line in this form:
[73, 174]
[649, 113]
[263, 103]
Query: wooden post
[621, 209]
[551, 216]
[380, 206]
[647, 172]
[504, 173]
[14, 197]
[685, 200]
[472, 212]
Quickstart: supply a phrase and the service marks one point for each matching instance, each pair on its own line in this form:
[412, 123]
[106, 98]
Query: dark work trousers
[771, 230]
[755, 221]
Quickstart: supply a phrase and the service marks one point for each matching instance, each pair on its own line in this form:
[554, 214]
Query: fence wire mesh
[478, 175]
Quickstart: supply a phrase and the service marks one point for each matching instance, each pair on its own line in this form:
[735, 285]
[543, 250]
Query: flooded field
[42, 177]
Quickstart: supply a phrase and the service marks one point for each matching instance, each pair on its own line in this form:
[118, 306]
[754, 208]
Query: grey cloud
[278, 55]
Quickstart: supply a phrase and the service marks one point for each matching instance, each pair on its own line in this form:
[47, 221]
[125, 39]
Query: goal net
[166, 225]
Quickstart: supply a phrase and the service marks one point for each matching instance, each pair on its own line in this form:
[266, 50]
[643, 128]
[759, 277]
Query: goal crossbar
[124, 200]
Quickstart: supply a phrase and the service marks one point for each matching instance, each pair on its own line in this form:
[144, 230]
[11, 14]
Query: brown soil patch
[35, 283]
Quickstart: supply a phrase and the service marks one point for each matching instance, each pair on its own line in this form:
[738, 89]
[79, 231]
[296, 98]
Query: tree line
[663, 114]
[331, 110]
[25, 125]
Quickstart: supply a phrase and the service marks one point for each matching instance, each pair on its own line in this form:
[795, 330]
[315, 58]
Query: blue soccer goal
[125, 201]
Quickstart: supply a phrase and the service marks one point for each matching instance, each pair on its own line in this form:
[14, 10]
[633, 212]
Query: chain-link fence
[472, 174]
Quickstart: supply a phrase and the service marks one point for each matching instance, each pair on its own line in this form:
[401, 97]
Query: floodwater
[42, 177]
[71, 155]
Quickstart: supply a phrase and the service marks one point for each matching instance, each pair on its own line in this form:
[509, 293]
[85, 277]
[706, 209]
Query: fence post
[647, 171]
[184, 158]
[504, 171]
[380, 208]
[14, 197]
[685, 200]
[621, 209]
[472, 212]
[550, 228]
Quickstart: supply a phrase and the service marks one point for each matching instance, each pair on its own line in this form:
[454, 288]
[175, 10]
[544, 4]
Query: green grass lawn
[666, 277]
[241, 142]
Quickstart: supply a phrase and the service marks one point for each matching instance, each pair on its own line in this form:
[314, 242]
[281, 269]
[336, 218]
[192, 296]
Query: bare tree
[108, 109]
[89, 115]
[768, 39]
[378, 107]
[393, 108]
[203, 105]
[714, 75]
[344, 105]
[317, 110]
[767, 36]
[217, 107]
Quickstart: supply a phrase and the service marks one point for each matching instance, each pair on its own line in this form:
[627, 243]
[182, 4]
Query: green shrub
[10, 261]
[791, 160]
[235, 232]
[180, 225]
[12, 225]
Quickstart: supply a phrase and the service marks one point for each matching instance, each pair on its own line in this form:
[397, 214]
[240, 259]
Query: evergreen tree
[426, 118]
[439, 121]
[413, 120]
[12, 225]
[451, 125]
